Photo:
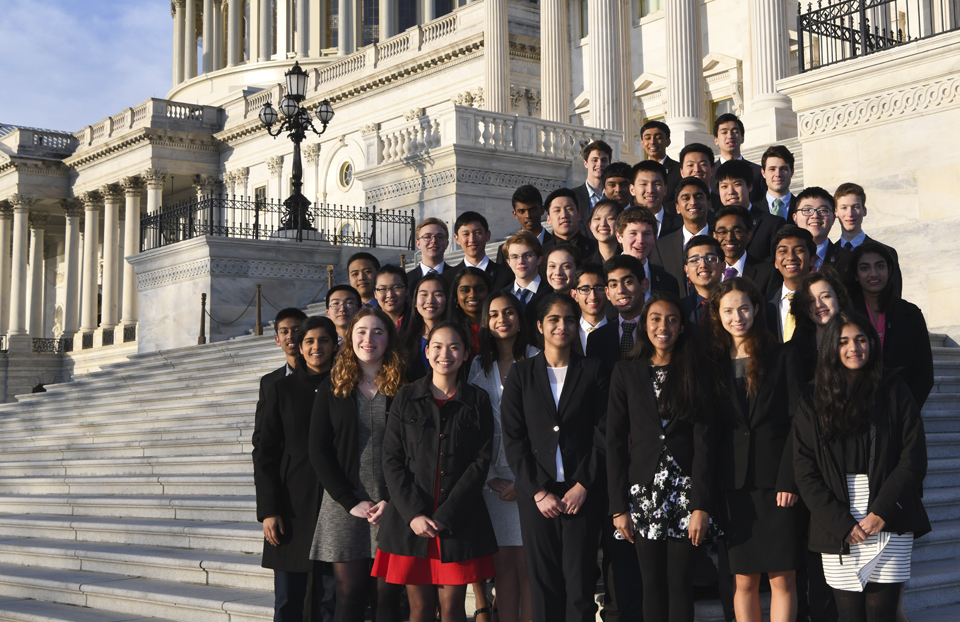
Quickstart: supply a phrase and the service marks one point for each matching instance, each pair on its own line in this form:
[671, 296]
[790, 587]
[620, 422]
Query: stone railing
[408, 142]
[28, 141]
[153, 113]
[255, 102]
[393, 47]
[439, 28]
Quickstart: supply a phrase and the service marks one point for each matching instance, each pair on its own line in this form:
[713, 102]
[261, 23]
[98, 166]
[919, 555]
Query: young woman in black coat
[428, 310]
[900, 324]
[288, 493]
[819, 297]
[860, 459]
[757, 389]
[346, 439]
[661, 456]
[436, 532]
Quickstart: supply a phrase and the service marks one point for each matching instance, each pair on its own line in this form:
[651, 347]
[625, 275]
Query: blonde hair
[433, 221]
[346, 368]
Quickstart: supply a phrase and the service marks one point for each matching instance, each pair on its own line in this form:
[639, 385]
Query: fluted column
[771, 116]
[38, 222]
[233, 33]
[91, 237]
[154, 178]
[218, 34]
[606, 89]
[18, 270]
[496, 57]
[132, 187]
[177, 8]
[6, 220]
[429, 10]
[266, 30]
[554, 62]
[346, 28]
[190, 41]
[71, 268]
[208, 18]
[112, 194]
[685, 111]
[275, 166]
[303, 29]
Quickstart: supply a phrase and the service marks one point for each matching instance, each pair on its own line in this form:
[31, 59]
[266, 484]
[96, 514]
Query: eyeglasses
[396, 289]
[346, 304]
[819, 211]
[526, 257]
[429, 237]
[585, 290]
[736, 231]
[711, 259]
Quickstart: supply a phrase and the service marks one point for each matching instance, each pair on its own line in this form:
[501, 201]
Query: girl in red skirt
[436, 537]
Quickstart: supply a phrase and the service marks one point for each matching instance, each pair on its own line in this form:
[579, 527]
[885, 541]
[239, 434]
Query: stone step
[223, 537]
[162, 507]
[946, 384]
[942, 472]
[179, 602]
[206, 485]
[941, 543]
[29, 610]
[933, 584]
[943, 444]
[949, 613]
[946, 369]
[940, 421]
[238, 570]
[942, 503]
[153, 465]
[221, 439]
[948, 353]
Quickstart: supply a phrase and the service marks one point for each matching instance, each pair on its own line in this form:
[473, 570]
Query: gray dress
[340, 536]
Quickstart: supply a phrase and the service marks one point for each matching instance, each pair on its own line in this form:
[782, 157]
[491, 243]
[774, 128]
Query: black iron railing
[46, 345]
[838, 30]
[233, 217]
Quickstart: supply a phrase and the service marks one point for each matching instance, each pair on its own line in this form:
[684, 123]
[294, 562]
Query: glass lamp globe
[268, 115]
[289, 106]
[297, 82]
[325, 112]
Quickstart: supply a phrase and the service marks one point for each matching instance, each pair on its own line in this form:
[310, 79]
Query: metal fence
[46, 345]
[838, 30]
[234, 217]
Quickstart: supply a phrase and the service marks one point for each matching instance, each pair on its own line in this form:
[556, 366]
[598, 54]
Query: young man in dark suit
[590, 292]
[342, 302]
[596, 158]
[734, 186]
[776, 166]
[654, 139]
[432, 239]
[703, 265]
[669, 251]
[627, 288]
[527, 208]
[648, 189]
[616, 186]
[561, 208]
[728, 136]
[636, 233]
[815, 211]
[851, 202]
[793, 255]
[696, 160]
[525, 255]
[472, 233]
[362, 270]
[733, 232]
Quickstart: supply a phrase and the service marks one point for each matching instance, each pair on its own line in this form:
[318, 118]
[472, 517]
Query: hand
[699, 523]
[509, 493]
[440, 526]
[856, 535]
[423, 526]
[575, 498]
[872, 524]
[549, 504]
[273, 529]
[624, 525]
[376, 513]
[787, 499]
[362, 509]
[498, 484]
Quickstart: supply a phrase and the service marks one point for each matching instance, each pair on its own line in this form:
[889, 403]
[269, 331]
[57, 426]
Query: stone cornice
[153, 137]
[206, 266]
[52, 168]
[462, 176]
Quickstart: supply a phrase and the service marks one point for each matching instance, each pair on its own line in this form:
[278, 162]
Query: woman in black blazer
[860, 459]
[553, 416]
[288, 493]
[900, 324]
[436, 454]
[428, 310]
[346, 438]
[661, 456]
[757, 388]
[819, 297]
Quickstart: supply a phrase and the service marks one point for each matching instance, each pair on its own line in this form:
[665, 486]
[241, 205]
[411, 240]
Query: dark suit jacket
[759, 189]
[583, 202]
[838, 258]
[502, 260]
[499, 275]
[672, 221]
[581, 242]
[693, 310]
[413, 279]
[530, 311]
[603, 344]
[534, 427]
[764, 225]
[633, 414]
[668, 254]
[772, 312]
[756, 448]
[673, 179]
[763, 275]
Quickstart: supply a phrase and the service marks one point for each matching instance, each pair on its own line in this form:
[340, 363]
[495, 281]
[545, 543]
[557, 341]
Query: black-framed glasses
[711, 259]
[429, 237]
[585, 290]
[737, 231]
[819, 211]
[346, 304]
[396, 289]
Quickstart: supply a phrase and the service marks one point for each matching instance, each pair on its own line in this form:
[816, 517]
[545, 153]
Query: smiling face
[792, 259]
[706, 273]
[872, 273]
[737, 313]
[733, 235]
[562, 214]
[663, 326]
[850, 213]
[824, 303]
[524, 261]
[698, 165]
[361, 273]
[559, 326]
[528, 215]
[603, 224]
[369, 339]
[638, 239]
[692, 206]
[626, 291]
[593, 298]
[854, 348]
[317, 349]
[728, 139]
[431, 300]
[503, 320]
[734, 192]
[471, 292]
[654, 142]
[820, 219]
[617, 189]
[560, 268]
[391, 294]
[286, 336]
[445, 352]
[473, 238]
[596, 162]
[432, 242]
[343, 306]
[778, 175]
[648, 190]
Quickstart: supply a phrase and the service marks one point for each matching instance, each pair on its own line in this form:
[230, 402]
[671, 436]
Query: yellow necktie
[790, 324]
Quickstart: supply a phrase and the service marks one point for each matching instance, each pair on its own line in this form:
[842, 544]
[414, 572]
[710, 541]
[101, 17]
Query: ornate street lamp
[296, 122]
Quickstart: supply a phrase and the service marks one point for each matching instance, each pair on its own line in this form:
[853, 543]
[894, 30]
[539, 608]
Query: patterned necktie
[730, 273]
[778, 208]
[848, 245]
[432, 271]
[703, 312]
[522, 295]
[626, 341]
[790, 324]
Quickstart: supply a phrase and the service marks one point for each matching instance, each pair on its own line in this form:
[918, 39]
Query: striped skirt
[882, 558]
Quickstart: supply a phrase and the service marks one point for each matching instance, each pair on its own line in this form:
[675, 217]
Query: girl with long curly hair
[346, 449]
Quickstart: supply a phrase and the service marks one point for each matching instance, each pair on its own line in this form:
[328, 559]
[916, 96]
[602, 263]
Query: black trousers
[561, 555]
[304, 596]
[623, 587]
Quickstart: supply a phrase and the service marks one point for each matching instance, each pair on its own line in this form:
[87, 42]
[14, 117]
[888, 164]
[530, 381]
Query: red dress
[429, 570]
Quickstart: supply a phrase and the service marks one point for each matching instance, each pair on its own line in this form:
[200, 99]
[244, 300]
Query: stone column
[241, 176]
[154, 178]
[190, 41]
[496, 57]
[217, 35]
[209, 19]
[91, 262]
[346, 28]
[38, 222]
[429, 10]
[275, 166]
[18, 270]
[233, 33]
[132, 186]
[311, 157]
[606, 89]
[177, 8]
[266, 30]
[71, 268]
[388, 17]
[303, 29]
[6, 220]
[554, 62]
[112, 194]
[685, 111]
[771, 117]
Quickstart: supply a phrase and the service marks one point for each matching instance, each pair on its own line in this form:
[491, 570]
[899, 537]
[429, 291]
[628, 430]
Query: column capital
[275, 165]
[111, 193]
[154, 177]
[21, 202]
[71, 208]
[242, 174]
[311, 153]
[92, 200]
[132, 186]
[176, 4]
[38, 220]
[6, 210]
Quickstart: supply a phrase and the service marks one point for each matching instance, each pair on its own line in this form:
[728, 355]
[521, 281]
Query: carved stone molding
[229, 267]
[506, 180]
[6, 210]
[111, 192]
[132, 186]
[311, 153]
[21, 201]
[275, 165]
[71, 208]
[415, 113]
[473, 98]
[154, 178]
[173, 274]
[240, 175]
[92, 201]
[38, 220]
[371, 128]
[410, 186]
[459, 175]
[907, 102]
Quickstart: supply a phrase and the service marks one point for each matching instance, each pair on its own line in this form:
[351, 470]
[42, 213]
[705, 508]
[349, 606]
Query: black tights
[667, 568]
[876, 603]
[353, 588]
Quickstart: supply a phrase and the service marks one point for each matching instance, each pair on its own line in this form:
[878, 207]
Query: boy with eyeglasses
[391, 292]
[343, 302]
[734, 185]
[693, 207]
[524, 256]
[432, 238]
[815, 211]
[703, 265]
[590, 292]
[733, 234]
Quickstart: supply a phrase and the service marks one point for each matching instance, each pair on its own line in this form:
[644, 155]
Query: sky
[66, 64]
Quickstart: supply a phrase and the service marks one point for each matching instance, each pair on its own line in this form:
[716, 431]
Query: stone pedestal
[771, 117]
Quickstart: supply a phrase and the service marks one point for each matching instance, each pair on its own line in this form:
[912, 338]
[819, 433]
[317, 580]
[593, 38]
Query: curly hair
[759, 342]
[802, 299]
[346, 369]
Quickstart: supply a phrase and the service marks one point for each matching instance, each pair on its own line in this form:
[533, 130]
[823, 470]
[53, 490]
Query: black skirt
[759, 535]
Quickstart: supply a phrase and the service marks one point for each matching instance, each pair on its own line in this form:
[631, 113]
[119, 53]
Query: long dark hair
[845, 410]
[684, 395]
[312, 323]
[454, 312]
[489, 353]
[413, 331]
[800, 305]
[759, 340]
[888, 297]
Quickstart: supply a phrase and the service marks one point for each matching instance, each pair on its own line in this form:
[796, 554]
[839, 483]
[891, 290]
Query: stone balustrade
[38, 143]
[153, 113]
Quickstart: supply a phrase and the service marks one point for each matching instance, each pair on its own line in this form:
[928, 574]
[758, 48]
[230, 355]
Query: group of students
[673, 366]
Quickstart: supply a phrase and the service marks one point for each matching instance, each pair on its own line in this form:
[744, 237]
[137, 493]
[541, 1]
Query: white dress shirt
[784, 306]
[425, 269]
[659, 217]
[532, 287]
[786, 202]
[687, 236]
[737, 265]
[480, 266]
[621, 321]
[857, 241]
[586, 328]
[593, 194]
[557, 376]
